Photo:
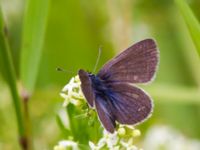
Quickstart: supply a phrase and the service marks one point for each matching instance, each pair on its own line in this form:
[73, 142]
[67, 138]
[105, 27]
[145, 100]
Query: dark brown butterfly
[110, 91]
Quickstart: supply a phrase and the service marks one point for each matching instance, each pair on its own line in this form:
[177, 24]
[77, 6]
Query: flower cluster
[121, 139]
[72, 92]
[66, 144]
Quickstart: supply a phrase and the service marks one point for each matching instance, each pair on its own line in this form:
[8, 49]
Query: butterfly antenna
[98, 58]
[63, 70]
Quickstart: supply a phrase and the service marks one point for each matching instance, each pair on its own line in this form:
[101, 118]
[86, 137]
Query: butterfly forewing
[86, 87]
[137, 64]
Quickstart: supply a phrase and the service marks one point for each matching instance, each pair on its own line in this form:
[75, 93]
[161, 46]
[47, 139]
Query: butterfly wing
[123, 103]
[104, 113]
[86, 87]
[130, 104]
[137, 64]
[102, 107]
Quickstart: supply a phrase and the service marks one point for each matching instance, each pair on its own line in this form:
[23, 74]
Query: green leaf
[191, 21]
[8, 73]
[65, 132]
[35, 21]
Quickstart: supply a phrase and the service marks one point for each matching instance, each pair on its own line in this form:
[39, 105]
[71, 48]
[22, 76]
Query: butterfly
[112, 91]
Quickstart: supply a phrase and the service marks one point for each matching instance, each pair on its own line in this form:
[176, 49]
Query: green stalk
[191, 22]
[172, 93]
[10, 77]
[34, 27]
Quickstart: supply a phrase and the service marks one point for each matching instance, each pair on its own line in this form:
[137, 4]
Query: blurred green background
[72, 34]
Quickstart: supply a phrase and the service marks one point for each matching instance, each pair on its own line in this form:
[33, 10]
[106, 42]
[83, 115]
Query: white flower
[96, 147]
[111, 139]
[59, 147]
[167, 138]
[116, 141]
[72, 92]
[63, 145]
[136, 133]
[121, 131]
[108, 140]
[128, 145]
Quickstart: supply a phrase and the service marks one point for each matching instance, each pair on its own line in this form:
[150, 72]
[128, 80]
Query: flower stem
[25, 96]
[8, 73]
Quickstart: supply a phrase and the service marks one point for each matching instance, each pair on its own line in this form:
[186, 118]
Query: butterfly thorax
[98, 85]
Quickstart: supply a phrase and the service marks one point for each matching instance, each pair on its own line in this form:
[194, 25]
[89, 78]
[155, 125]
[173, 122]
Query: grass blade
[9, 74]
[191, 21]
[33, 38]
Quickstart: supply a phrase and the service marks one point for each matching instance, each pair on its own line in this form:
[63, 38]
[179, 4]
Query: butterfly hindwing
[129, 104]
[105, 115]
[137, 64]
